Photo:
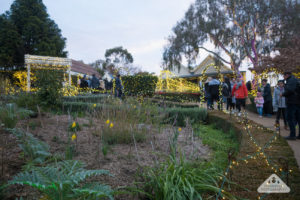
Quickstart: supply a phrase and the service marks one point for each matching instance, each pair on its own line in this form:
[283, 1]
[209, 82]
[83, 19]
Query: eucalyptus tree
[238, 28]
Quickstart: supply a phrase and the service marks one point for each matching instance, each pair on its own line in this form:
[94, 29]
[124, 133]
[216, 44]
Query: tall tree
[11, 49]
[119, 60]
[239, 28]
[39, 34]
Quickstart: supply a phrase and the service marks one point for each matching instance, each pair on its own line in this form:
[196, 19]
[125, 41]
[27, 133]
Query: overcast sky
[92, 26]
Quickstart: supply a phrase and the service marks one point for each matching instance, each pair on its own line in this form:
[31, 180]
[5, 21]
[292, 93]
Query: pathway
[269, 123]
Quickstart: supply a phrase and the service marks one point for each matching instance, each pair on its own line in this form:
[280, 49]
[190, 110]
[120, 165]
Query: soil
[124, 161]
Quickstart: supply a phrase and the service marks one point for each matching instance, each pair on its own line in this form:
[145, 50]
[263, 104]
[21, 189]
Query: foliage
[121, 135]
[182, 180]
[238, 28]
[100, 98]
[178, 97]
[139, 85]
[27, 100]
[195, 115]
[171, 104]
[34, 150]
[10, 114]
[28, 29]
[62, 181]
[50, 85]
[11, 50]
[21, 79]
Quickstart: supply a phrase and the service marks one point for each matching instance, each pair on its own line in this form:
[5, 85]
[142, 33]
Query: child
[259, 100]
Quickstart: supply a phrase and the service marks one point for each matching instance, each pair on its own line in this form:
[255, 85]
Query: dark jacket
[267, 93]
[290, 91]
[95, 82]
[83, 83]
[213, 88]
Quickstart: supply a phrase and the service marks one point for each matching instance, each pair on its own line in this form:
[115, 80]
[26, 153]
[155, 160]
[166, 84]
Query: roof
[198, 71]
[80, 67]
[210, 70]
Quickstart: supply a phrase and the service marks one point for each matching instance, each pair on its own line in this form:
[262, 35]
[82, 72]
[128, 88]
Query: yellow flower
[107, 121]
[74, 125]
[94, 105]
[74, 137]
[134, 106]
[179, 129]
[111, 125]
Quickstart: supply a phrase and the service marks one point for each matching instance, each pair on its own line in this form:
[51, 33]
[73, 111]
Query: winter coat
[241, 92]
[267, 93]
[213, 87]
[206, 91]
[290, 91]
[278, 101]
[259, 101]
[95, 82]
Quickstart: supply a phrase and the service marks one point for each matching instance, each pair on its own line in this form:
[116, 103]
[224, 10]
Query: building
[202, 69]
[81, 69]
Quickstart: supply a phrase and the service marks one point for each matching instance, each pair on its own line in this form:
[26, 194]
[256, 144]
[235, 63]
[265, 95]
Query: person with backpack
[292, 95]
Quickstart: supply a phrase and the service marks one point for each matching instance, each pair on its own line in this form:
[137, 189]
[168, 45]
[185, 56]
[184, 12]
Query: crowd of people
[233, 93]
[102, 85]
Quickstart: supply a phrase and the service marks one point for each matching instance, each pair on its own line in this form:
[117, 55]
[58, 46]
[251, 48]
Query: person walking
[233, 100]
[226, 92]
[83, 83]
[259, 101]
[267, 98]
[213, 88]
[118, 86]
[279, 104]
[292, 95]
[241, 93]
[95, 82]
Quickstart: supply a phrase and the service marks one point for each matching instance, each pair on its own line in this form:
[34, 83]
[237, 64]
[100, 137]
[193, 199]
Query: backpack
[297, 91]
[225, 90]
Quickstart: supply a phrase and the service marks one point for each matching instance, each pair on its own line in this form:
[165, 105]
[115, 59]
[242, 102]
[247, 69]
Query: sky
[92, 26]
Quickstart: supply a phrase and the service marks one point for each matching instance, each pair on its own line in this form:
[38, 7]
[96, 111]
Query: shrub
[137, 85]
[27, 100]
[10, 114]
[49, 84]
[100, 98]
[178, 97]
[62, 181]
[34, 150]
[195, 115]
[182, 181]
[122, 136]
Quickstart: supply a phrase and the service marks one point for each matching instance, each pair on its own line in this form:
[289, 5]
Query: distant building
[81, 69]
[198, 71]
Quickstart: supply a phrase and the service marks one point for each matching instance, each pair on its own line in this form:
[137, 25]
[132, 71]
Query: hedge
[89, 98]
[179, 115]
[139, 85]
[178, 97]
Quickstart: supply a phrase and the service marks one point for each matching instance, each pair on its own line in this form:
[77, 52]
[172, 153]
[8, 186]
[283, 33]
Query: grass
[181, 179]
[249, 175]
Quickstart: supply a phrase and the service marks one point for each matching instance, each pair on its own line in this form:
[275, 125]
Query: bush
[195, 115]
[62, 181]
[49, 84]
[10, 114]
[100, 98]
[178, 97]
[28, 101]
[121, 136]
[137, 85]
[35, 150]
[182, 181]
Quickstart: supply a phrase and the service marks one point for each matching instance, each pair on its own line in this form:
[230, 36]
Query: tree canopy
[240, 29]
[28, 29]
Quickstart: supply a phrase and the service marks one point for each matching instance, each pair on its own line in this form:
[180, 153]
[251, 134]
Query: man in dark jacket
[95, 82]
[118, 87]
[267, 98]
[293, 104]
[213, 89]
